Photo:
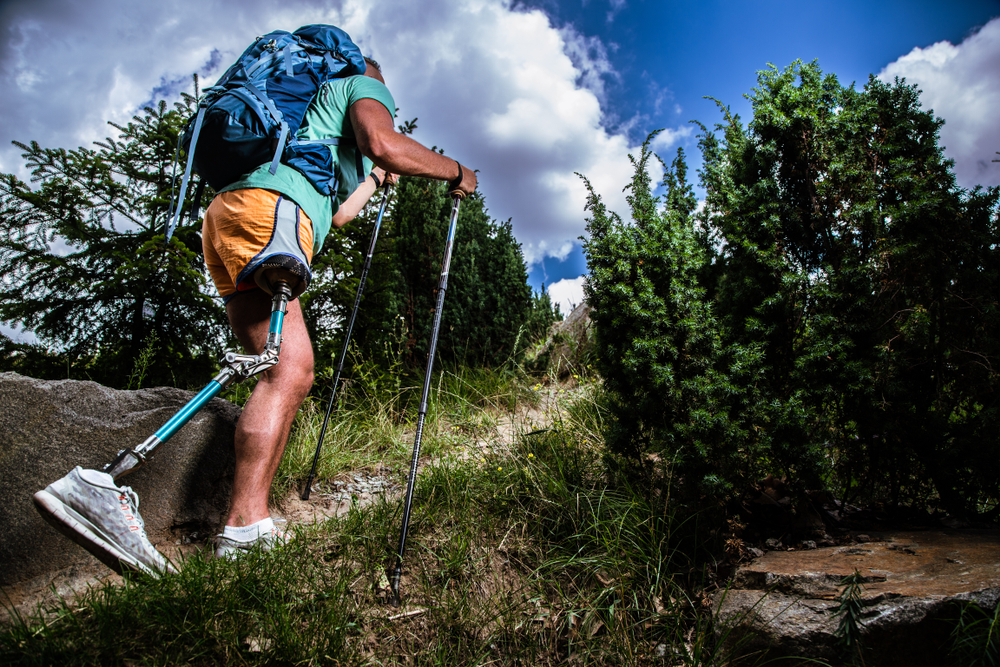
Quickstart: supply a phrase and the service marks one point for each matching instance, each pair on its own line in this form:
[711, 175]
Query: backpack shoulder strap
[172, 224]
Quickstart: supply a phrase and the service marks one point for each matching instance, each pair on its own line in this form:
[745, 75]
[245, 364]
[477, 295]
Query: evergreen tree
[542, 313]
[336, 272]
[488, 297]
[830, 316]
[866, 280]
[85, 265]
[656, 338]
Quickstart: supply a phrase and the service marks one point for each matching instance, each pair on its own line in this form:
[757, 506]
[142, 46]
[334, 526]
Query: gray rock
[781, 606]
[49, 427]
[566, 348]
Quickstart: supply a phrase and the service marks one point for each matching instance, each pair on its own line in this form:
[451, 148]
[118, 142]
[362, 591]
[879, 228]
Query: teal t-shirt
[326, 118]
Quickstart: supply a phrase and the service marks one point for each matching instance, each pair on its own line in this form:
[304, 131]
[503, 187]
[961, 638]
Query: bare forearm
[399, 154]
[359, 198]
[353, 205]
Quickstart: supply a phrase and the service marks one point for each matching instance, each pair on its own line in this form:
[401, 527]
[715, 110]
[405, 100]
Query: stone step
[782, 603]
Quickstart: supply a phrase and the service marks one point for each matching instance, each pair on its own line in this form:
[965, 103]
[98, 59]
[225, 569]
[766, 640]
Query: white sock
[248, 533]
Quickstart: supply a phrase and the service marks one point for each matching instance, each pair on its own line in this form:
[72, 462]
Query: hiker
[272, 207]
[364, 104]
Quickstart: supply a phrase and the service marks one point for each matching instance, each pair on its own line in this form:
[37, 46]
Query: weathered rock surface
[781, 604]
[567, 348]
[48, 427]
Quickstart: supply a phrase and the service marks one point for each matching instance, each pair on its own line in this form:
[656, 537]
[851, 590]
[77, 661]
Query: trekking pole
[422, 412]
[347, 340]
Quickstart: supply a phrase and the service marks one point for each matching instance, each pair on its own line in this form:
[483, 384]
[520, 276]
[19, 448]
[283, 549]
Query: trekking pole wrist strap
[453, 184]
[378, 182]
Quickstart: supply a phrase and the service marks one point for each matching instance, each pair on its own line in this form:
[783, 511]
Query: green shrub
[829, 317]
[488, 299]
[657, 341]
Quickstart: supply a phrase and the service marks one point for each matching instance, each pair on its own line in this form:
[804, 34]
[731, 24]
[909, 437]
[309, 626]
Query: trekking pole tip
[394, 584]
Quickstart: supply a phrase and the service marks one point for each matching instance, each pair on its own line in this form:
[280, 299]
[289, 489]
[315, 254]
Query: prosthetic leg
[238, 367]
[90, 508]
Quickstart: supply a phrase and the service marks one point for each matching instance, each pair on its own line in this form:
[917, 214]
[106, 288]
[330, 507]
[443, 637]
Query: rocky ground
[784, 602]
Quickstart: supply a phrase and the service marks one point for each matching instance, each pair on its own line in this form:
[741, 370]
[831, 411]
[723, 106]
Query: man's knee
[297, 374]
[306, 382]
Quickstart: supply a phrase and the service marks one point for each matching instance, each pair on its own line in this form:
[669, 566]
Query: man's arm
[353, 205]
[398, 153]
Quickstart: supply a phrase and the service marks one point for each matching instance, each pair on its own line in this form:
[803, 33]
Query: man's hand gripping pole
[237, 367]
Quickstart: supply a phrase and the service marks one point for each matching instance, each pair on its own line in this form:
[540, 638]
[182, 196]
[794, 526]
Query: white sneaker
[87, 507]
[266, 540]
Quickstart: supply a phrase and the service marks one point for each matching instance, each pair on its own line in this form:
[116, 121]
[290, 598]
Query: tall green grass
[529, 554]
[374, 429]
[975, 636]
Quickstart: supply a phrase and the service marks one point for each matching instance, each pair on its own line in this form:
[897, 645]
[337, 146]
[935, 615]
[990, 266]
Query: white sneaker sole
[77, 528]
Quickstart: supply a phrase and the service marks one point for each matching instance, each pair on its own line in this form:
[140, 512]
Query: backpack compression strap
[276, 115]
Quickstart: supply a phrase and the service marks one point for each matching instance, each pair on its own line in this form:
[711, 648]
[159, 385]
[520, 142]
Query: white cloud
[514, 105]
[590, 58]
[499, 88]
[668, 138]
[961, 83]
[616, 6]
[568, 293]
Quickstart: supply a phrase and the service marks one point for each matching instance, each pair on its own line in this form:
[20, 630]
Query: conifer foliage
[85, 265]
[488, 299]
[657, 338]
[831, 317]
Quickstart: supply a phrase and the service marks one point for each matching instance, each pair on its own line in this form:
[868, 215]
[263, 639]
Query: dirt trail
[334, 497]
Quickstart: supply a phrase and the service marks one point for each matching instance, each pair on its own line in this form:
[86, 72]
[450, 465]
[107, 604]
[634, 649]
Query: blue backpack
[253, 112]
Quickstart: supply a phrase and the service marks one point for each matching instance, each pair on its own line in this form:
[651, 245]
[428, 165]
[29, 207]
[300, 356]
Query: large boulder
[568, 348]
[782, 605]
[49, 427]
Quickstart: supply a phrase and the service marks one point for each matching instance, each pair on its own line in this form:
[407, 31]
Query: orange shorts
[249, 229]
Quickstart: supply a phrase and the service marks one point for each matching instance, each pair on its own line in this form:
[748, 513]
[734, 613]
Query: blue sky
[668, 56]
[526, 92]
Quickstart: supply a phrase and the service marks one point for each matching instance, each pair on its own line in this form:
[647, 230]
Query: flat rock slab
[909, 564]
[782, 604]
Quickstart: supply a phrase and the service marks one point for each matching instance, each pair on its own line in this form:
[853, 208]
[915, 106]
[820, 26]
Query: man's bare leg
[262, 430]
